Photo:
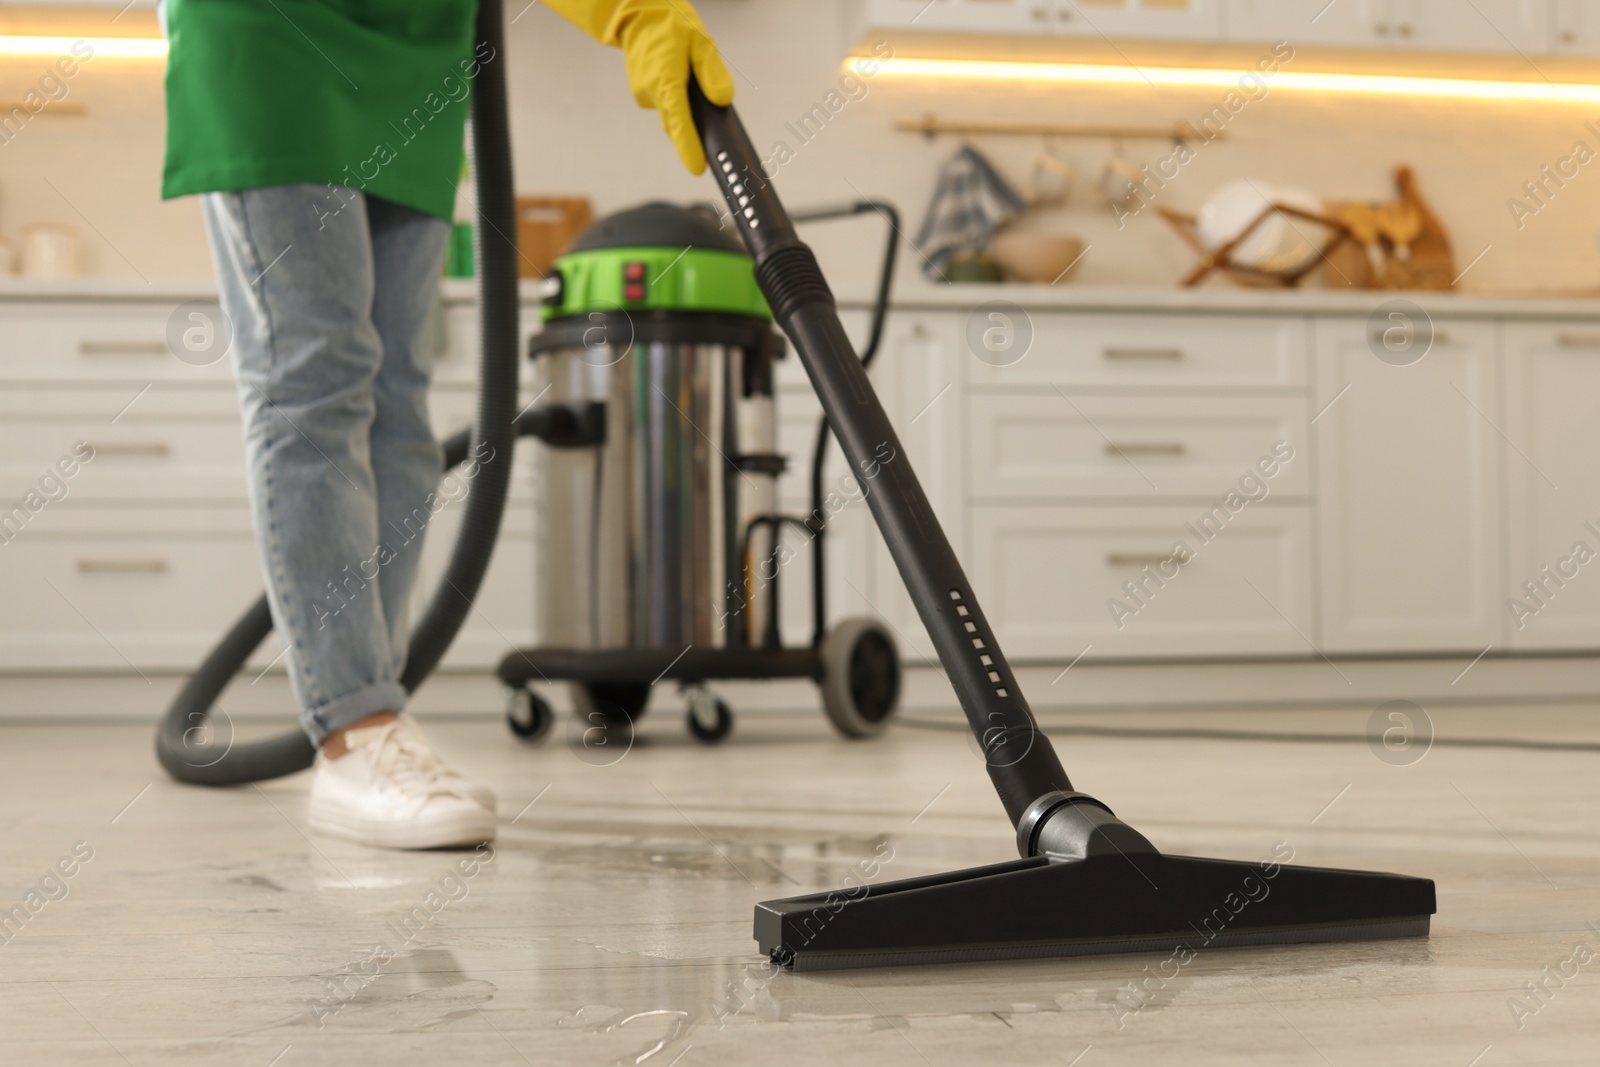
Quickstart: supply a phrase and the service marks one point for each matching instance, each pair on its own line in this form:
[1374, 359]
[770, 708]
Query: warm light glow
[108, 47]
[1188, 77]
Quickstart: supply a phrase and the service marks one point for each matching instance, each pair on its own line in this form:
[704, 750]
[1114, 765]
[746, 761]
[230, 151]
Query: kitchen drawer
[85, 342]
[1087, 445]
[1150, 351]
[1048, 576]
[105, 589]
[165, 445]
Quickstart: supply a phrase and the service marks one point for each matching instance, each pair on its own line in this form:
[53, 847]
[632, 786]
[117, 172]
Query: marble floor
[611, 925]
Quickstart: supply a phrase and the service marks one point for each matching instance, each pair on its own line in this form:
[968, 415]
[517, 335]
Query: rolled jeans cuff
[352, 708]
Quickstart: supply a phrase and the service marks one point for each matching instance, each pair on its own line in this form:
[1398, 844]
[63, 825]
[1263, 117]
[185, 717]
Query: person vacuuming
[326, 138]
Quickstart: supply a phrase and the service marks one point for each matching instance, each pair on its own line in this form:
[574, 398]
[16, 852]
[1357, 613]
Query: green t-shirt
[371, 94]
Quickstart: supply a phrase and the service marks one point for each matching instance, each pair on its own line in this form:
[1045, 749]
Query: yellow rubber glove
[662, 41]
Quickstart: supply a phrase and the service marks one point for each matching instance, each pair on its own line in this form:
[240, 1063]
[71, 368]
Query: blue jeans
[328, 292]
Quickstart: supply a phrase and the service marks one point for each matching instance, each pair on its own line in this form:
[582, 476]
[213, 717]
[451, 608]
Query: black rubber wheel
[610, 703]
[860, 677]
[715, 733]
[528, 714]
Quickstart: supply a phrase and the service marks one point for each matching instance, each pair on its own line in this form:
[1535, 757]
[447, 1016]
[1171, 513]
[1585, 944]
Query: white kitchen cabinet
[1158, 19]
[1092, 446]
[134, 589]
[1409, 513]
[1472, 25]
[1171, 20]
[1339, 23]
[1576, 29]
[1139, 352]
[1553, 483]
[1442, 25]
[966, 16]
[1048, 577]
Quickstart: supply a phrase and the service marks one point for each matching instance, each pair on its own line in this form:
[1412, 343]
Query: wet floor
[148, 923]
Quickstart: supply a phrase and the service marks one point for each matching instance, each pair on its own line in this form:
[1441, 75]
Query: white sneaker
[387, 791]
[476, 790]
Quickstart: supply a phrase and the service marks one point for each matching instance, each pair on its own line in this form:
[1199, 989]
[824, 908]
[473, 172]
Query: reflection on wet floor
[612, 922]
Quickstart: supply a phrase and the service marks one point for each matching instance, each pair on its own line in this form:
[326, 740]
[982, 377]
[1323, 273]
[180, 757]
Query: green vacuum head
[656, 257]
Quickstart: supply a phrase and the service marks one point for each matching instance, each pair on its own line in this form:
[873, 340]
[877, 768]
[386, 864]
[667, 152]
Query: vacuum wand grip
[1020, 759]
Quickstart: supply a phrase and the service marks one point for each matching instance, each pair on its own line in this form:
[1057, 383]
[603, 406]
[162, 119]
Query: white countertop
[1215, 299]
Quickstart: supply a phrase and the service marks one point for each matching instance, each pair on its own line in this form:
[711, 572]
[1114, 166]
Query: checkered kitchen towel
[970, 202]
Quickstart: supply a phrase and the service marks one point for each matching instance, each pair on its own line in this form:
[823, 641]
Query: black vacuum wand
[1087, 882]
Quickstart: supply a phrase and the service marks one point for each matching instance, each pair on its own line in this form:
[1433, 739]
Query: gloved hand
[662, 41]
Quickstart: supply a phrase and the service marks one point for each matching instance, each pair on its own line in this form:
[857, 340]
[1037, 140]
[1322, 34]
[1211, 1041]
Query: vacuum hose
[179, 743]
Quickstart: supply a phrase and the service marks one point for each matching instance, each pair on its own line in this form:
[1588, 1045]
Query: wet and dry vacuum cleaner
[1086, 882]
[661, 556]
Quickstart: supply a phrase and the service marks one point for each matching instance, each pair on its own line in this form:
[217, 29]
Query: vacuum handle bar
[1021, 762]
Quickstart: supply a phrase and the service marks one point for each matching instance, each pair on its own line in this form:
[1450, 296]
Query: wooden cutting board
[546, 226]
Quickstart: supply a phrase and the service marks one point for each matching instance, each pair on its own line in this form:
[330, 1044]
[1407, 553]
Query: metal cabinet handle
[122, 566]
[1138, 559]
[129, 448]
[1144, 353]
[1145, 448]
[1578, 340]
[122, 348]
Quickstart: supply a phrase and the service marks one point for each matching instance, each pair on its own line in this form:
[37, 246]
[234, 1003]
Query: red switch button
[633, 272]
[633, 291]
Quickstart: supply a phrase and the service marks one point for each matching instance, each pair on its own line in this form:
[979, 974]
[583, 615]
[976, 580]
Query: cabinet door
[1408, 461]
[970, 16]
[1130, 447]
[1055, 579]
[1577, 28]
[1189, 20]
[1309, 22]
[1553, 420]
[1473, 25]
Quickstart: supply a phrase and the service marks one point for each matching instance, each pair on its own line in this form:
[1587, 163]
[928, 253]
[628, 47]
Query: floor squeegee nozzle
[1044, 907]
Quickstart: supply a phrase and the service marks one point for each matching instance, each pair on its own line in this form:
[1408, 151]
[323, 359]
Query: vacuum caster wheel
[610, 704]
[528, 714]
[710, 720]
[860, 677]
